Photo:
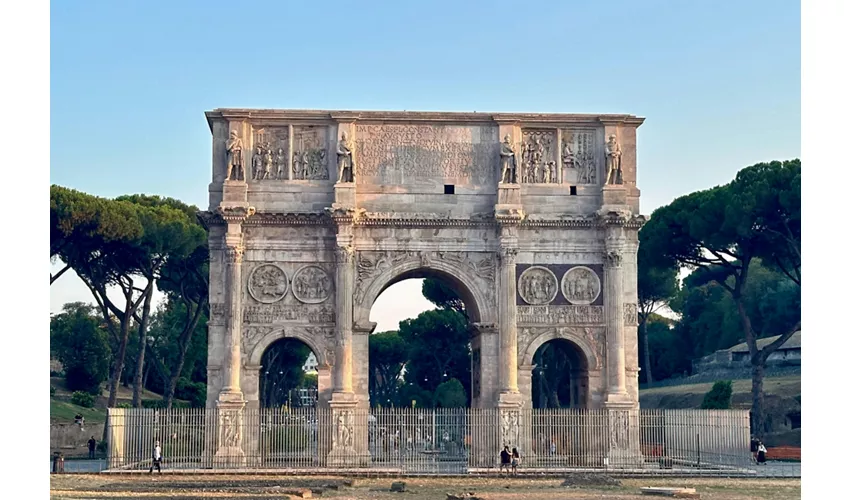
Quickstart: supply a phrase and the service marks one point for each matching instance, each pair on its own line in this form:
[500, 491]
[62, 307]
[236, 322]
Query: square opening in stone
[572, 190]
[449, 189]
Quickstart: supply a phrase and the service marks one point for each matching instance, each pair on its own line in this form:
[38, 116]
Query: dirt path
[192, 487]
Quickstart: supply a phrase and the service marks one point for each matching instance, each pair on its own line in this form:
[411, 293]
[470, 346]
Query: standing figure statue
[257, 163]
[508, 161]
[268, 162]
[282, 164]
[234, 158]
[345, 160]
[612, 154]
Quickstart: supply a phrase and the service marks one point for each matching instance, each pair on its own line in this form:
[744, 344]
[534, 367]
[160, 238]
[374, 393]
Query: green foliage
[291, 438]
[193, 392]
[719, 397]
[124, 405]
[102, 446]
[161, 403]
[80, 343]
[442, 295]
[84, 399]
[388, 353]
[439, 349]
[282, 371]
[450, 394]
[411, 392]
[52, 391]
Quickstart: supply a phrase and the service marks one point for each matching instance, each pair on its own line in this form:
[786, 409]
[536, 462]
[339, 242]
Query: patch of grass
[786, 385]
[61, 411]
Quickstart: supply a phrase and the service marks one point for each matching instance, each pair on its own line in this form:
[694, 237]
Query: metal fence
[429, 441]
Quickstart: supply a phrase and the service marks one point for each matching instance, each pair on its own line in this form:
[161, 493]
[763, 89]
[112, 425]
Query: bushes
[193, 392]
[52, 391]
[160, 403]
[84, 399]
[719, 397]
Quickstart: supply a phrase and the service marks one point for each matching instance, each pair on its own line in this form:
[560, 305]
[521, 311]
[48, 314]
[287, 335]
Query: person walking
[505, 459]
[762, 454]
[514, 460]
[157, 458]
[92, 447]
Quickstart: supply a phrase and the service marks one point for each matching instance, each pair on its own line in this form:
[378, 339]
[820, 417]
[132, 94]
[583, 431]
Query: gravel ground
[269, 487]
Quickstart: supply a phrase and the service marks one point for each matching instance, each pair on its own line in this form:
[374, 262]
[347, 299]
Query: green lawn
[787, 385]
[61, 411]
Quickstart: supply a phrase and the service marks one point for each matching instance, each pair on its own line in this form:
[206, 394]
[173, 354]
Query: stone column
[233, 320]
[507, 322]
[614, 321]
[343, 376]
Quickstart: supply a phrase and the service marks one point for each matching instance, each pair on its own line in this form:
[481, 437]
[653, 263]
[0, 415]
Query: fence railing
[446, 441]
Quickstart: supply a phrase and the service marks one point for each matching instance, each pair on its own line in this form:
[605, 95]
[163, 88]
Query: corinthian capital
[613, 258]
[508, 255]
[345, 255]
[234, 254]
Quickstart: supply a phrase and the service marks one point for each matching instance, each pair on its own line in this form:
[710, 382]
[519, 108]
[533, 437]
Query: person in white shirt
[157, 458]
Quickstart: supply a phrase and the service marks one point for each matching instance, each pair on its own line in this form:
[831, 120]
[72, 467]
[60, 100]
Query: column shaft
[232, 365]
[507, 323]
[614, 321]
[345, 318]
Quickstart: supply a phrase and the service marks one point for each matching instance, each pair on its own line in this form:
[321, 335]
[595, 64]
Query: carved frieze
[271, 154]
[267, 283]
[510, 427]
[343, 437]
[539, 163]
[396, 152]
[537, 285]
[230, 424]
[311, 285]
[310, 153]
[630, 314]
[372, 264]
[267, 314]
[581, 286]
[578, 156]
[560, 315]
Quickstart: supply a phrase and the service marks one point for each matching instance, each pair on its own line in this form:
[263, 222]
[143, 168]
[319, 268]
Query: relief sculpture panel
[581, 286]
[560, 315]
[537, 285]
[398, 153]
[310, 153]
[311, 285]
[267, 283]
[267, 314]
[270, 159]
[539, 164]
[579, 157]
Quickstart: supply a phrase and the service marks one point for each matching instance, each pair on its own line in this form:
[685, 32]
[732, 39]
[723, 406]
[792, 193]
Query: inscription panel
[401, 153]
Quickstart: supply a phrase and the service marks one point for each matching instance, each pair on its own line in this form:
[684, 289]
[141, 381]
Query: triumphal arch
[533, 219]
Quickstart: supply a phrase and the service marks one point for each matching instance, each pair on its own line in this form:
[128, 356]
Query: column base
[619, 401]
[350, 436]
[344, 195]
[229, 452]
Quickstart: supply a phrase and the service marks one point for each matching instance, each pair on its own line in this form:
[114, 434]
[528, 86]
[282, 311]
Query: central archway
[479, 307]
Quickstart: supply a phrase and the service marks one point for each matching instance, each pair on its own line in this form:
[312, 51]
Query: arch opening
[288, 375]
[560, 377]
[428, 360]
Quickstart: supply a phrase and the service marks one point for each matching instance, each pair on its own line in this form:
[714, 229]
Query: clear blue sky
[717, 81]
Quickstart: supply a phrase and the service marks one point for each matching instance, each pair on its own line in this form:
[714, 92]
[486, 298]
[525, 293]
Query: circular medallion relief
[311, 285]
[538, 286]
[581, 286]
[267, 283]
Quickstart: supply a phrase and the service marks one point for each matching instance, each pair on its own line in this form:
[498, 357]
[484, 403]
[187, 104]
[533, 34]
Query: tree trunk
[647, 365]
[757, 412]
[138, 384]
[118, 366]
[185, 338]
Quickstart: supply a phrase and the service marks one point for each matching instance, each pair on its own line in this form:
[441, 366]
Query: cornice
[381, 219]
[349, 116]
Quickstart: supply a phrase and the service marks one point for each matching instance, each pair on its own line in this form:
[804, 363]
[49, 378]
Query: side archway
[319, 349]
[591, 357]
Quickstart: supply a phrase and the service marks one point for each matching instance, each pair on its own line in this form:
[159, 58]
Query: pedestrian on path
[505, 459]
[92, 447]
[514, 460]
[157, 458]
[762, 454]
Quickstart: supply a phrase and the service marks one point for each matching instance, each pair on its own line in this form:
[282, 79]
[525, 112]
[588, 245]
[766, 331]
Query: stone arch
[590, 356]
[256, 355]
[481, 310]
